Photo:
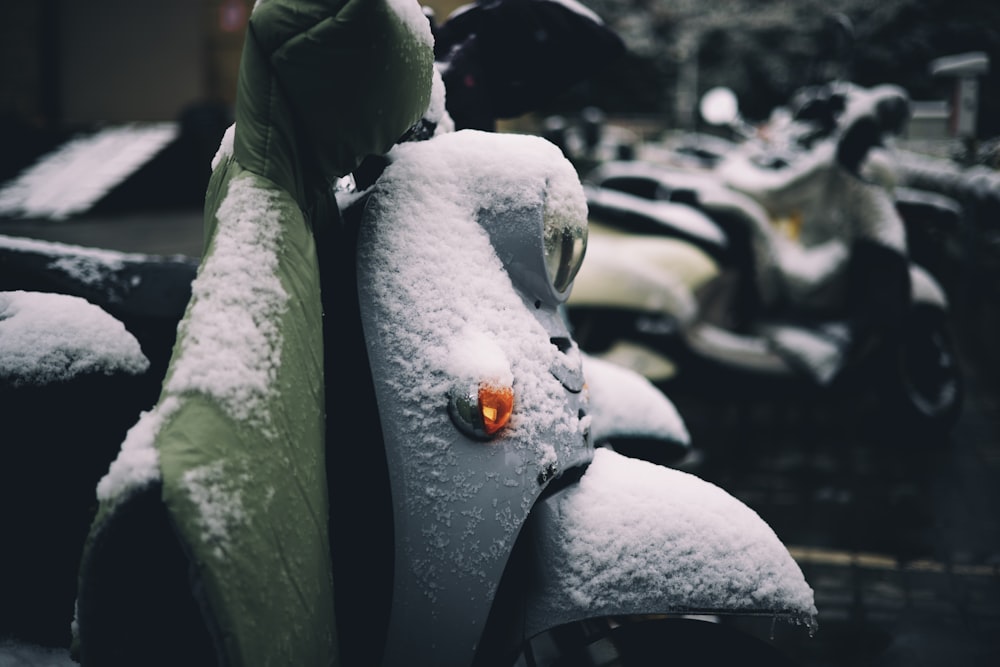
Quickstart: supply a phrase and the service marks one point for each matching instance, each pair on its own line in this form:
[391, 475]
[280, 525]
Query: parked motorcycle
[785, 268]
[474, 528]
[517, 336]
[820, 113]
[375, 442]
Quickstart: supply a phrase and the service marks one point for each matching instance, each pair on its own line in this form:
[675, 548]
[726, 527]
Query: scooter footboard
[636, 538]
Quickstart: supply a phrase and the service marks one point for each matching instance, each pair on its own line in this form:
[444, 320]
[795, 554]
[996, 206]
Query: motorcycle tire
[658, 642]
[928, 389]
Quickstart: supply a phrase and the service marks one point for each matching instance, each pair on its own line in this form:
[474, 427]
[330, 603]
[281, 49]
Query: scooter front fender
[632, 537]
[445, 312]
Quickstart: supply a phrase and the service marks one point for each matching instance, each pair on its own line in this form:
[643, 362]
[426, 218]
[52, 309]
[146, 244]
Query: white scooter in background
[780, 268]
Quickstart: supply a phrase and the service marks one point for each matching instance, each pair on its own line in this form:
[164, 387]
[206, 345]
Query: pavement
[900, 542]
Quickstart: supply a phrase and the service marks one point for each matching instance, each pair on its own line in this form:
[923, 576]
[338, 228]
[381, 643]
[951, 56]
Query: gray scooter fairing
[632, 537]
[441, 314]
[445, 306]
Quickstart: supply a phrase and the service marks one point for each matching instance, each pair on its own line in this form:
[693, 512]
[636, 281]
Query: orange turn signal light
[481, 410]
[496, 403]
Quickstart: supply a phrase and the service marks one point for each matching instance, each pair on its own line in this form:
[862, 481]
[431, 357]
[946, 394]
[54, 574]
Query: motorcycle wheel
[657, 642]
[929, 390]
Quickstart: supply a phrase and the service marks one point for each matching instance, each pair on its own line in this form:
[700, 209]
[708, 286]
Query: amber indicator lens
[496, 403]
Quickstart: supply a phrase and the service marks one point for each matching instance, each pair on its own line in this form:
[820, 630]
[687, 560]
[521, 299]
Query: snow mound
[624, 403]
[46, 338]
[613, 551]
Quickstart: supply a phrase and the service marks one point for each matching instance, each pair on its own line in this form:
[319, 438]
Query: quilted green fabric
[311, 71]
[211, 542]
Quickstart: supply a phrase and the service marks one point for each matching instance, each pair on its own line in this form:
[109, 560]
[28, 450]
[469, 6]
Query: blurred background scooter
[784, 263]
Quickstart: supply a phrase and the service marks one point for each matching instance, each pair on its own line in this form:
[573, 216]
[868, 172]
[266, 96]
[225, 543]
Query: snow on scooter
[65, 353]
[410, 366]
[820, 113]
[509, 483]
[703, 281]
[514, 342]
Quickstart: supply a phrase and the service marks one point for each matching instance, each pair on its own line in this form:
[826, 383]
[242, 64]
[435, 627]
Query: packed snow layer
[624, 403]
[444, 281]
[230, 343]
[46, 338]
[230, 339]
[138, 462]
[413, 17]
[637, 536]
[90, 266]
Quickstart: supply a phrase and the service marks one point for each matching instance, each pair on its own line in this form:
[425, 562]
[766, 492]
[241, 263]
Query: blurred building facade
[66, 66]
[69, 63]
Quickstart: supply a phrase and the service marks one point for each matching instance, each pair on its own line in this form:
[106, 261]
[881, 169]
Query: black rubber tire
[690, 641]
[663, 642]
[926, 383]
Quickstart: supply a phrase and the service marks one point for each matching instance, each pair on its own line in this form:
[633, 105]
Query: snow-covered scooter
[489, 524]
[503, 534]
[786, 269]
[471, 518]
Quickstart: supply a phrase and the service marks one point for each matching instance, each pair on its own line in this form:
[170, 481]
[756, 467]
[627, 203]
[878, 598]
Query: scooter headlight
[565, 245]
[481, 411]
[541, 247]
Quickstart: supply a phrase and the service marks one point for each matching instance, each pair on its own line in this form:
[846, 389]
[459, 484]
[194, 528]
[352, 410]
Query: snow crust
[413, 17]
[633, 534]
[86, 265]
[427, 201]
[436, 112]
[46, 338]
[225, 150]
[231, 338]
[475, 356]
[230, 342]
[625, 403]
[138, 462]
[217, 490]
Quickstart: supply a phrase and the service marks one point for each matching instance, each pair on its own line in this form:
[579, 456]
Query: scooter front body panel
[442, 314]
[636, 538]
